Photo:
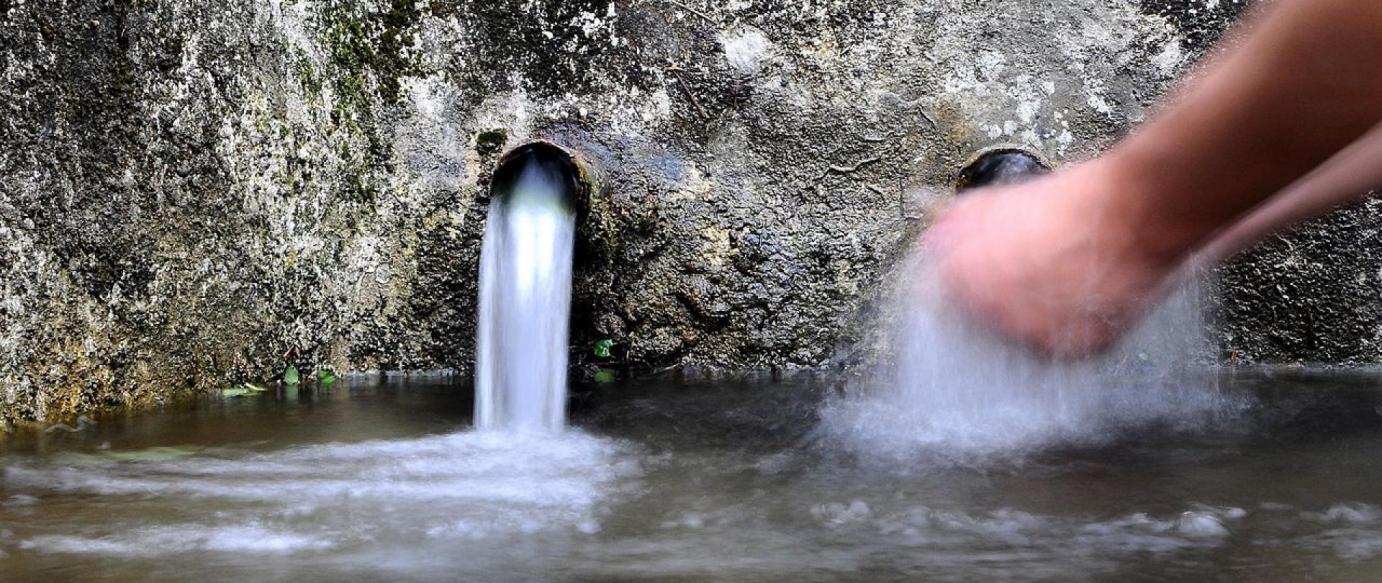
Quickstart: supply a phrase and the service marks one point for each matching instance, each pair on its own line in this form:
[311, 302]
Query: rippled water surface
[680, 481]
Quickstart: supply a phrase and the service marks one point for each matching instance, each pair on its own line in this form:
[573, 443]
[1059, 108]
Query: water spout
[1001, 165]
[525, 291]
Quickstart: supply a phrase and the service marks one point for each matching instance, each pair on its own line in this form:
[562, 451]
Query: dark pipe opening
[1001, 165]
[556, 164]
[581, 183]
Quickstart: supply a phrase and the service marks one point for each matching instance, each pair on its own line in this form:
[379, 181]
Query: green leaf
[291, 376]
[327, 378]
[602, 348]
[605, 376]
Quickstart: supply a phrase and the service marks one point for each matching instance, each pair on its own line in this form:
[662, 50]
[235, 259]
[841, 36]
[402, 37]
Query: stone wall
[195, 193]
[1313, 295]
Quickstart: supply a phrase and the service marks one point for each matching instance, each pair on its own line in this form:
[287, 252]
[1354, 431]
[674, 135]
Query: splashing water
[525, 300]
[458, 486]
[946, 388]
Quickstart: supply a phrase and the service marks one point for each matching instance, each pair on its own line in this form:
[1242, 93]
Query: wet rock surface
[1313, 295]
[195, 193]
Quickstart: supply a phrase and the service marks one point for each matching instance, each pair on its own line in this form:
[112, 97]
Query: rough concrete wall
[1313, 295]
[195, 192]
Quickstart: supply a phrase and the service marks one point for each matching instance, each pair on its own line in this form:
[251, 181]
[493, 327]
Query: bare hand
[1047, 263]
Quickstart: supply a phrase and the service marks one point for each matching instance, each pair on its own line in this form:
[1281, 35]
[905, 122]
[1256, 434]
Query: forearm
[1301, 86]
[1350, 173]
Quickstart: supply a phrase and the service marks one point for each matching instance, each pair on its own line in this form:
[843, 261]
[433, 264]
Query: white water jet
[946, 388]
[525, 297]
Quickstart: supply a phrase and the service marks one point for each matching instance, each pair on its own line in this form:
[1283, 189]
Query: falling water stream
[525, 296]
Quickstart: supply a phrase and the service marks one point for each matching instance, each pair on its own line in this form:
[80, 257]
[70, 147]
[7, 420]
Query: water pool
[672, 480]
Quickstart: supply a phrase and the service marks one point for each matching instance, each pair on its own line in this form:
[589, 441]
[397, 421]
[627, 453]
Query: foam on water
[160, 540]
[525, 303]
[948, 388]
[960, 544]
[1355, 530]
[461, 485]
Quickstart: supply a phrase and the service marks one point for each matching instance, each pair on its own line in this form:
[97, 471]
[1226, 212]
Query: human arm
[1066, 263]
